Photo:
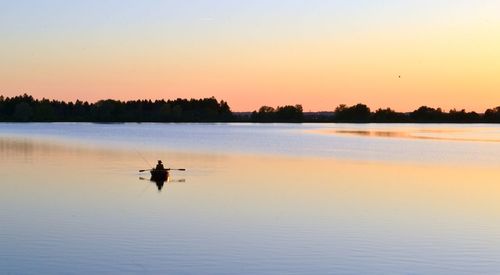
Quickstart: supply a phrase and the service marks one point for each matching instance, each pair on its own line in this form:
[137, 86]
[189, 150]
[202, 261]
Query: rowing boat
[159, 174]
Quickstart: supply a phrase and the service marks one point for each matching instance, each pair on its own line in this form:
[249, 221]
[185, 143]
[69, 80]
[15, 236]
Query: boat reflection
[160, 182]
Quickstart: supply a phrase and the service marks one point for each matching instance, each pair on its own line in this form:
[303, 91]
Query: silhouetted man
[159, 166]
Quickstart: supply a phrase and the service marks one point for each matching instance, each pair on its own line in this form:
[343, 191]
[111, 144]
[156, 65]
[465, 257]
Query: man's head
[159, 162]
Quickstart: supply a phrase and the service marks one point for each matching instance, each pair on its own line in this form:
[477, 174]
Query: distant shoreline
[25, 108]
[240, 122]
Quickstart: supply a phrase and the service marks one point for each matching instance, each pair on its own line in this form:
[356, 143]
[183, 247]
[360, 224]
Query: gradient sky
[315, 52]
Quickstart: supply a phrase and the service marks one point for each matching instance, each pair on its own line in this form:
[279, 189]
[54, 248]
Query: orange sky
[318, 53]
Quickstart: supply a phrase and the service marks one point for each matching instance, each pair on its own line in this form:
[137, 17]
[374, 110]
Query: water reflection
[288, 214]
[468, 135]
[161, 182]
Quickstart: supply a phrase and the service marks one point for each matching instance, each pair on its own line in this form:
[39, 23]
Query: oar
[168, 169]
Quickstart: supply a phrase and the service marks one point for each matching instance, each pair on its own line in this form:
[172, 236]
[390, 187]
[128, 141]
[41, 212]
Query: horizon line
[247, 111]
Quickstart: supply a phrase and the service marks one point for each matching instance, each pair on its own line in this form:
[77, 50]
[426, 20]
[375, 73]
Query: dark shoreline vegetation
[25, 108]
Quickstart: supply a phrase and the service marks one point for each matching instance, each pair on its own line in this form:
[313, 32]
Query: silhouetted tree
[462, 116]
[290, 113]
[286, 113]
[492, 115]
[1, 107]
[356, 113]
[25, 108]
[427, 114]
[388, 116]
[23, 112]
[44, 111]
[265, 114]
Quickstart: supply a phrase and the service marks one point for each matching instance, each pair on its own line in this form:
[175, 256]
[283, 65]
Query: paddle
[168, 169]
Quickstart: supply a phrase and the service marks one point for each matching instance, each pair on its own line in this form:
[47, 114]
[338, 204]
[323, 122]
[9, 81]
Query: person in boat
[159, 166]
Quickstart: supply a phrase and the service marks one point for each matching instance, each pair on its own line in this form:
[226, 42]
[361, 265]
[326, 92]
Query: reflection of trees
[15, 147]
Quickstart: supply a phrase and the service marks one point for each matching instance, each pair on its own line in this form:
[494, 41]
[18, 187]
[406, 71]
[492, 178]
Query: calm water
[270, 199]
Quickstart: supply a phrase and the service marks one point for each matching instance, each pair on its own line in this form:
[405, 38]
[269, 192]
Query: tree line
[25, 108]
[361, 113]
[287, 113]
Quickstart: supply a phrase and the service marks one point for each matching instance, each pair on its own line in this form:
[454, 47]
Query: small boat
[159, 174]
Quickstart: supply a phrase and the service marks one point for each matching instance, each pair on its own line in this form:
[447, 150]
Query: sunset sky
[317, 53]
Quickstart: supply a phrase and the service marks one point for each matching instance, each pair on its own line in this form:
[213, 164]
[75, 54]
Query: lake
[255, 199]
